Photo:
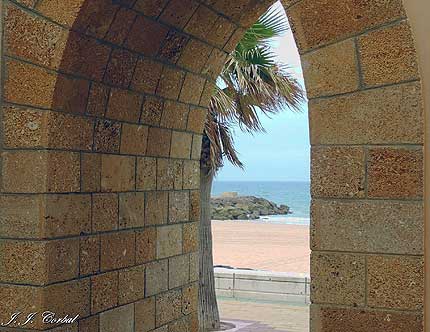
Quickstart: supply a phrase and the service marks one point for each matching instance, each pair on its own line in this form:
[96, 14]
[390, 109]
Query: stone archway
[102, 112]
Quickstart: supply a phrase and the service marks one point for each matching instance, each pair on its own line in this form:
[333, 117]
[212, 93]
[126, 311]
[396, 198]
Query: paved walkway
[251, 316]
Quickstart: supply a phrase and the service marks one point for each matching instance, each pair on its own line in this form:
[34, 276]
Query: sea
[294, 194]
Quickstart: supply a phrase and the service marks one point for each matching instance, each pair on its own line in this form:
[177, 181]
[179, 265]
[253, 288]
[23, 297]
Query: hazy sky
[283, 152]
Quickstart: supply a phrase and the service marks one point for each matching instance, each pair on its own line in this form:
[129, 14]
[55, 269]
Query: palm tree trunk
[208, 307]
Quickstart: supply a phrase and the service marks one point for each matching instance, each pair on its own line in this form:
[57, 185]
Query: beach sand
[261, 246]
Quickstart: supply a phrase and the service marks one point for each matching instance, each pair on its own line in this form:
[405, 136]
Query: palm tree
[251, 83]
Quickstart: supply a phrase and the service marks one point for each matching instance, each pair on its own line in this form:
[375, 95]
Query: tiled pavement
[252, 316]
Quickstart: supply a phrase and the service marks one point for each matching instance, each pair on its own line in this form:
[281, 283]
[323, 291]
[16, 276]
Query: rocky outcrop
[230, 206]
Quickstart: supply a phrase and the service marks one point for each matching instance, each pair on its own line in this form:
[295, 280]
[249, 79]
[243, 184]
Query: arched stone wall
[102, 114]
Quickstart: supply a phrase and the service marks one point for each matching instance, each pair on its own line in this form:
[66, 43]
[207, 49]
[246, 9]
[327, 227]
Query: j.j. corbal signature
[48, 317]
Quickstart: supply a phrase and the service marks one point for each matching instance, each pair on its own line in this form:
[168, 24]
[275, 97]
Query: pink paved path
[256, 245]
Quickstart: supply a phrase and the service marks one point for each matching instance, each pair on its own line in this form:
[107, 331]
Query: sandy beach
[262, 246]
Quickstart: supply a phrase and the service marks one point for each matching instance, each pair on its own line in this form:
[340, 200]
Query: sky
[283, 152]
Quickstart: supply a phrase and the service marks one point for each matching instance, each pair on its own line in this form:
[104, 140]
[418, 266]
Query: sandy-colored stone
[117, 250]
[107, 136]
[168, 307]
[369, 117]
[196, 147]
[90, 324]
[337, 172]
[97, 99]
[331, 70]
[134, 139]
[320, 22]
[146, 174]
[174, 115]
[131, 210]
[170, 83]
[146, 36]
[201, 22]
[104, 291]
[395, 282]
[179, 206]
[190, 299]
[71, 94]
[120, 68]
[169, 241]
[367, 226]
[89, 255]
[118, 173]
[178, 12]
[395, 173]
[105, 212]
[338, 278]
[214, 64]
[169, 174]
[179, 271]
[194, 267]
[131, 285]
[196, 119]
[173, 45]
[118, 319]
[332, 319]
[156, 208]
[146, 245]
[195, 205]
[124, 106]
[145, 315]
[194, 55]
[159, 141]
[388, 56]
[192, 89]
[90, 172]
[146, 76]
[181, 145]
[156, 277]
[191, 237]
[221, 32]
[151, 111]
[41, 171]
[191, 174]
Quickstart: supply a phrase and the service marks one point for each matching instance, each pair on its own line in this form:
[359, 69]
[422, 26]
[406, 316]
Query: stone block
[71, 94]
[194, 55]
[174, 115]
[145, 315]
[146, 174]
[146, 245]
[90, 172]
[170, 83]
[192, 89]
[190, 299]
[104, 292]
[124, 105]
[367, 226]
[120, 319]
[120, 69]
[178, 12]
[89, 255]
[179, 206]
[331, 70]
[181, 145]
[134, 139]
[221, 32]
[179, 271]
[169, 241]
[169, 174]
[146, 36]
[159, 142]
[395, 282]
[120, 26]
[90, 324]
[105, 212]
[196, 119]
[40, 171]
[173, 45]
[337, 172]
[338, 278]
[107, 136]
[156, 278]
[156, 208]
[118, 173]
[388, 55]
[97, 100]
[131, 210]
[131, 285]
[196, 147]
[195, 205]
[117, 250]
[146, 76]
[207, 94]
[194, 266]
[369, 117]
[395, 173]
[215, 64]
[191, 237]
[201, 22]
[152, 9]
[151, 111]
[191, 174]
[309, 19]
[168, 307]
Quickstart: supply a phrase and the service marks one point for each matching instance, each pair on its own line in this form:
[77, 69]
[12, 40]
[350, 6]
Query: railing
[262, 285]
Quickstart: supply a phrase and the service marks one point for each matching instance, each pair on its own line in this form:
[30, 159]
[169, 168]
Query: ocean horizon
[295, 194]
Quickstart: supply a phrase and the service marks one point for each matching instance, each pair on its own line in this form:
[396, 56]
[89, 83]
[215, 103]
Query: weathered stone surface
[369, 117]
[131, 210]
[131, 285]
[97, 99]
[107, 135]
[105, 212]
[168, 307]
[156, 208]
[89, 255]
[338, 278]
[120, 26]
[337, 172]
[194, 55]
[90, 324]
[196, 119]
[174, 115]
[124, 105]
[181, 145]
[331, 70]
[388, 55]
[90, 172]
[331, 319]
[196, 147]
[190, 299]
[191, 174]
[191, 237]
[170, 84]
[156, 277]
[150, 8]
[41, 171]
[192, 89]
[179, 206]
[320, 22]
[120, 69]
[173, 45]
[146, 174]
[169, 241]
[151, 111]
[159, 141]
[395, 173]
[145, 315]
[104, 291]
[169, 174]
[179, 271]
[117, 250]
[395, 282]
[134, 139]
[367, 226]
[178, 12]
[146, 76]
[118, 173]
[118, 319]
[146, 245]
